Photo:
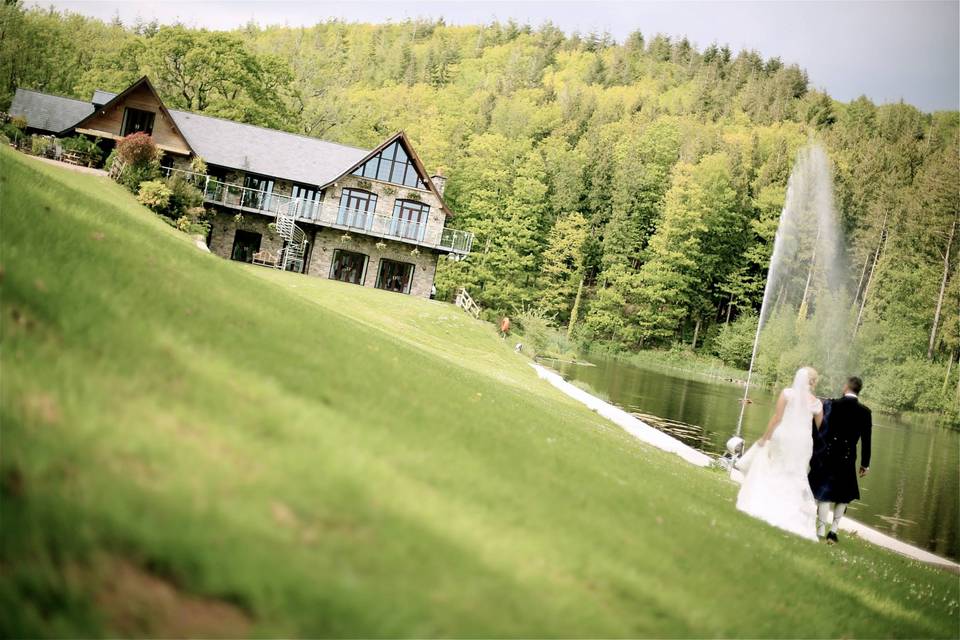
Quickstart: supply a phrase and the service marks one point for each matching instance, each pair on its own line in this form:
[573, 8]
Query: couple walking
[793, 480]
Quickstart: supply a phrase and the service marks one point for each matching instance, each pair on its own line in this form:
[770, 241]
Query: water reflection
[911, 491]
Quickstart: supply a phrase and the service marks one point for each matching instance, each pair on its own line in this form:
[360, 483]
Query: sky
[886, 50]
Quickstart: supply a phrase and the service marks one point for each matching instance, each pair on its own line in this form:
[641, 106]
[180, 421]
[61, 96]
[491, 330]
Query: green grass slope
[192, 446]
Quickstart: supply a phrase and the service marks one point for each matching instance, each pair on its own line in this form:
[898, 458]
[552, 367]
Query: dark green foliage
[13, 133]
[734, 343]
[185, 198]
[84, 146]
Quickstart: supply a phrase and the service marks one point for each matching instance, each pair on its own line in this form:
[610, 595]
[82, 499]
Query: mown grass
[340, 461]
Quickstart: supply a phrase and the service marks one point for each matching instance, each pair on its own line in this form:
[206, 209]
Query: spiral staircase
[295, 242]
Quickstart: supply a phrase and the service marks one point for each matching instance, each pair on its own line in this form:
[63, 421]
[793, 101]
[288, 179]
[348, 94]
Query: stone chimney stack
[439, 181]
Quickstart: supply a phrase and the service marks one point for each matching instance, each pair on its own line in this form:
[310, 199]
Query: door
[348, 266]
[260, 188]
[245, 244]
[395, 276]
[307, 200]
[357, 208]
[410, 219]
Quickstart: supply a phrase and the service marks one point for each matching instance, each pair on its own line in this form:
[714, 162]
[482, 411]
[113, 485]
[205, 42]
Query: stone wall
[323, 242]
[223, 228]
[387, 195]
[326, 241]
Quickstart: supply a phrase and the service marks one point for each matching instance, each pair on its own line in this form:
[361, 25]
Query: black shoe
[832, 538]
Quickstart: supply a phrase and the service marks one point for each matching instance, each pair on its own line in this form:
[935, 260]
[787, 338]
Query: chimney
[439, 182]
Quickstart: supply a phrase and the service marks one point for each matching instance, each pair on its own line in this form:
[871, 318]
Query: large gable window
[392, 165]
[135, 120]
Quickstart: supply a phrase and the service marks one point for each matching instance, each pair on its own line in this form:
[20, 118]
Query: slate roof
[101, 97]
[47, 112]
[219, 142]
[266, 151]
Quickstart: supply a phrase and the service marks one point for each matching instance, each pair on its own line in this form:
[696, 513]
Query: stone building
[373, 217]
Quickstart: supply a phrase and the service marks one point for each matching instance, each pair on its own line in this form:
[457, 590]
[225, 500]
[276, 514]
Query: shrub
[108, 163]
[912, 385]
[19, 122]
[537, 329]
[133, 176]
[734, 343]
[199, 227]
[13, 133]
[155, 195]
[138, 149]
[197, 165]
[85, 147]
[184, 197]
[141, 161]
[42, 145]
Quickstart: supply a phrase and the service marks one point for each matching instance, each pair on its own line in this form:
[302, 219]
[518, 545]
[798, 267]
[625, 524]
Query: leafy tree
[562, 269]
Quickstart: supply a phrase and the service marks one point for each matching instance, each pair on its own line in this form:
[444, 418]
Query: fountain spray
[807, 212]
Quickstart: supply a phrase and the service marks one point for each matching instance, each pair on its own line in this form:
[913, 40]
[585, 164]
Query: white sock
[838, 512]
[823, 514]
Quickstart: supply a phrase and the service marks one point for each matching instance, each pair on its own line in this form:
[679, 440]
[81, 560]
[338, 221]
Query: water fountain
[806, 267]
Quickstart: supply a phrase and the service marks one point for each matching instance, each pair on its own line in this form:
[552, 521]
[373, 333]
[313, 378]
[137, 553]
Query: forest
[625, 194]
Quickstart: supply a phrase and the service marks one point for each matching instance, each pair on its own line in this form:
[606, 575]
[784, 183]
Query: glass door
[409, 219]
[348, 266]
[357, 208]
[307, 201]
[260, 189]
[395, 276]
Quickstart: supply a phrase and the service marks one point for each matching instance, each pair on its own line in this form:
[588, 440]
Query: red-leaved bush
[137, 149]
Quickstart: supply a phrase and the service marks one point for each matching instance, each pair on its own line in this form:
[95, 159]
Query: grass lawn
[193, 446]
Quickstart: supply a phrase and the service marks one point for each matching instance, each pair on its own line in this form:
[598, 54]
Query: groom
[833, 468]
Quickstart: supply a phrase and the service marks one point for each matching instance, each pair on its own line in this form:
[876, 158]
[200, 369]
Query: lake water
[912, 491]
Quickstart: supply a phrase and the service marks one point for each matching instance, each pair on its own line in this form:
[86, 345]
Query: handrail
[466, 302]
[327, 213]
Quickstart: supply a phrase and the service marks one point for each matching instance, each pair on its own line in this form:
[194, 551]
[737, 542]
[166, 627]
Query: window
[260, 189]
[395, 276]
[392, 165]
[310, 198]
[348, 266]
[356, 208]
[409, 219]
[245, 244]
[135, 120]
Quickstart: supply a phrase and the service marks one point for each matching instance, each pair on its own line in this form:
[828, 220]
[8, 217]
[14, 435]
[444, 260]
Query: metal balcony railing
[327, 214]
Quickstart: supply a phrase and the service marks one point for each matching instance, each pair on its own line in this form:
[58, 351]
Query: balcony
[327, 214]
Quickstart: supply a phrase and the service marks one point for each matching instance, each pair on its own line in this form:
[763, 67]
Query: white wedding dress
[775, 487]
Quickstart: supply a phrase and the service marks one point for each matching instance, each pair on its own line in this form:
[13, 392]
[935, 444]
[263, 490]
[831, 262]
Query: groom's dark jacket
[833, 468]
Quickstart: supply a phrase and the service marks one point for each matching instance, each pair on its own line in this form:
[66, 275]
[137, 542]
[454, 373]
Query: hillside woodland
[626, 193]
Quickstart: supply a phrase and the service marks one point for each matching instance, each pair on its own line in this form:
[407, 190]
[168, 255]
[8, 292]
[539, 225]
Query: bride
[775, 487]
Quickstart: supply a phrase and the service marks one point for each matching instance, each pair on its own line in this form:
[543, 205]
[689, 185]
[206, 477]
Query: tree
[562, 272]
[690, 254]
[214, 72]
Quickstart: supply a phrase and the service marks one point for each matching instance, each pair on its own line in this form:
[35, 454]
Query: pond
[911, 492]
